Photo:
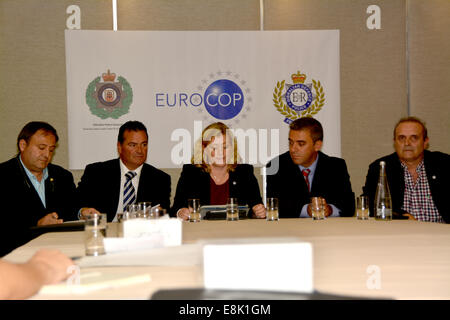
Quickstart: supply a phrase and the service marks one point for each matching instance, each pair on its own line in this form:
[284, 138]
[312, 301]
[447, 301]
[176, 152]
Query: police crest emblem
[298, 100]
[109, 98]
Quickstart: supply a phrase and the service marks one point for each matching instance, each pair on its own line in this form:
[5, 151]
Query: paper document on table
[94, 281]
[185, 255]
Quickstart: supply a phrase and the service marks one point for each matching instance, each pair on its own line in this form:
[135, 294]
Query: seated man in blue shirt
[33, 191]
[304, 172]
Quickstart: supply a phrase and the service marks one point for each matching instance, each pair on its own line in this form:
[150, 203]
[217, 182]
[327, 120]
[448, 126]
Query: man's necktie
[306, 174]
[129, 195]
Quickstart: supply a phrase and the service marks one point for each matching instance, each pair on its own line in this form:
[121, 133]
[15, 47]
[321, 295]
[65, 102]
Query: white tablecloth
[412, 259]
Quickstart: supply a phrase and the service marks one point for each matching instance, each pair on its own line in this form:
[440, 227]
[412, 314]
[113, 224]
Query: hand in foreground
[259, 211]
[86, 211]
[51, 218]
[50, 265]
[183, 213]
[410, 216]
[21, 281]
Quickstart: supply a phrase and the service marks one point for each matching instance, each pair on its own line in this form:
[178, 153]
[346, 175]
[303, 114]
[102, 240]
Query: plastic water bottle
[383, 202]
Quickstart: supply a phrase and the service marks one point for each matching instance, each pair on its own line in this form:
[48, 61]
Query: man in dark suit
[33, 191]
[418, 179]
[108, 187]
[303, 172]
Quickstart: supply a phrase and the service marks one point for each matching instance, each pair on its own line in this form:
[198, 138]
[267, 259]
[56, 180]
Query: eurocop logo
[223, 98]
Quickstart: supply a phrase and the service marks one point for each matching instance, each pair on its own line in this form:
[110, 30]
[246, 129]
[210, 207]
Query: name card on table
[169, 229]
[266, 265]
[113, 245]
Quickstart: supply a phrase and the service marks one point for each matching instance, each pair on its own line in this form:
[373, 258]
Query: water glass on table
[272, 209]
[121, 218]
[133, 211]
[157, 212]
[145, 210]
[232, 209]
[317, 208]
[362, 208]
[93, 235]
[194, 210]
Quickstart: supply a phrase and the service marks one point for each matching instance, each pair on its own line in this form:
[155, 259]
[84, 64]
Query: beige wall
[33, 66]
[410, 52]
[373, 70]
[429, 56]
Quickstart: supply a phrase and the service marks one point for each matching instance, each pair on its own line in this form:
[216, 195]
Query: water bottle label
[384, 214]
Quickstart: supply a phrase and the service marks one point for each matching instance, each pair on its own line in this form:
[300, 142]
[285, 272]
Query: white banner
[178, 82]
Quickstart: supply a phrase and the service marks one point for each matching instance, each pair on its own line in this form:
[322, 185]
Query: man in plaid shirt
[419, 180]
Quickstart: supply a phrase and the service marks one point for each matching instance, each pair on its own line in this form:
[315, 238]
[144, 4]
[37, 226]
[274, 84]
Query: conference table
[410, 259]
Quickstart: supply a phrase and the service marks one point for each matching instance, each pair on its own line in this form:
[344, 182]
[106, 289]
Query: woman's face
[218, 152]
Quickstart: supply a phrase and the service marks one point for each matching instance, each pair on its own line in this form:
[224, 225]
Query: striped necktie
[129, 195]
[306, 173]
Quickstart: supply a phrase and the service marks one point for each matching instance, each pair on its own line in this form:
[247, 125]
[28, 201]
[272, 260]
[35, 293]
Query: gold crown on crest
[298, 77]
[108, 76]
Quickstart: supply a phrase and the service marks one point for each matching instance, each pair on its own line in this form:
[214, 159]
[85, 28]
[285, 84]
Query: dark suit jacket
[99, 187]
[437, 166]
[194, 183]
[22, 207]
[331, 181]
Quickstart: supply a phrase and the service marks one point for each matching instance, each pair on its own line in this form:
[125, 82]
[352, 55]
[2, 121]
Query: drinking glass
[157, 212]
[121, 218]
[145, 210]
[232, 209]
[362, 208]
[272, 209]
[133, 210]
[93, 239]
[194, 210]
[317, 208]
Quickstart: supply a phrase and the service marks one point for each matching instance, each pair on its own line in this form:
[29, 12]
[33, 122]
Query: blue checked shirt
[38, 186]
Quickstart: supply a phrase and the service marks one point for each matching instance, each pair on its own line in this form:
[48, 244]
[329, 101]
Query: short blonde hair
[208, 134]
